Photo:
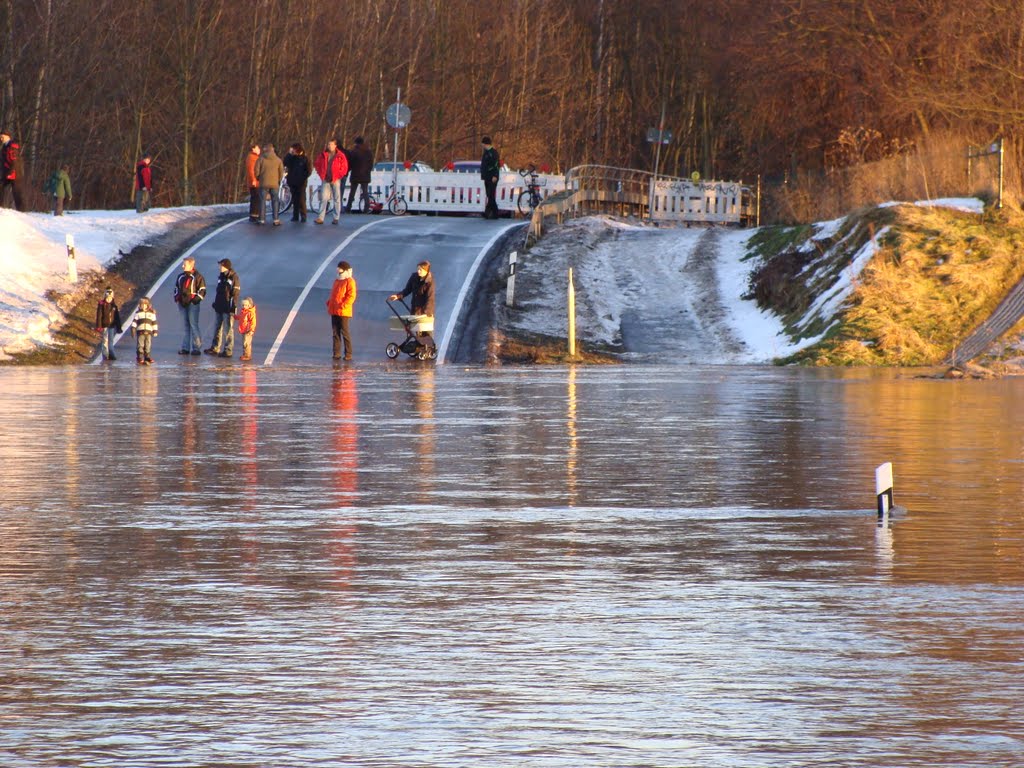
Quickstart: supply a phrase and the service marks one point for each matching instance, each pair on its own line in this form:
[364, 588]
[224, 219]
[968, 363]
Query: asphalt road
[289, 270]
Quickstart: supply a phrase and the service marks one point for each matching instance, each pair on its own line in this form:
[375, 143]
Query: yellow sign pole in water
[572, 317]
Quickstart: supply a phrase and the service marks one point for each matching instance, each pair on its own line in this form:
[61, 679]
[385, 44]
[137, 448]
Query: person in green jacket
[60, 188]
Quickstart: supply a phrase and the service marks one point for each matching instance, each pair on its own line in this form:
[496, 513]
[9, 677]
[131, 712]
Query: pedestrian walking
[143, 184]
[255, 201]
[108, 323]
[331, 166]
[11, 171]
[270, 172]
[144, 329]
[247, 326]
[225, 299]
[360, 168]
[339, 306]
[490, 167]
[59, 188]
[189, 292]
[298, 169]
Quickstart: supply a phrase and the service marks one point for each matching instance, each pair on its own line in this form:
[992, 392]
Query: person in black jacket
[225, 299]
[298, 168]
[189, 291]
[490, 167]
[108, 323]
[421, 286]
[360, 167]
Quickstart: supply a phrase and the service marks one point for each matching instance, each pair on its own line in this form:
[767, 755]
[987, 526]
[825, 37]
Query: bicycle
[530, 197]
[395, 203]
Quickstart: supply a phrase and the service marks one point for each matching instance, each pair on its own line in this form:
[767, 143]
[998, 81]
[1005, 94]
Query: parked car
[468, 166]
[389, 165]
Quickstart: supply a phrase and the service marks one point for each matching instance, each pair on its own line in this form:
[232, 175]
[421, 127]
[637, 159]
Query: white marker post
[510, 290]
[72, 264]
[572, 317]
[883, 490]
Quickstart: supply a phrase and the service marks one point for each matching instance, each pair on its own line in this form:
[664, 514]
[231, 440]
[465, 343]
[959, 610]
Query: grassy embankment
[934, 275]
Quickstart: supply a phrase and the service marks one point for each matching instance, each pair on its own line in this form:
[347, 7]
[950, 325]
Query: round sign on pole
[398, 115]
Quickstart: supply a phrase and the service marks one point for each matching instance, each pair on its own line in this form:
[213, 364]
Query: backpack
[51, 186]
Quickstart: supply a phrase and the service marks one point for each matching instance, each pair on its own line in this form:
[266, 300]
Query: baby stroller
[418, 329]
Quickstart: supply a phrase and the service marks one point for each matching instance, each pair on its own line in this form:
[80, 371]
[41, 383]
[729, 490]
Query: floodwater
[408, 566]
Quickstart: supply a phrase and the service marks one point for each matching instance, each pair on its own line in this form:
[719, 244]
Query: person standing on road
[225, 299]
[297, 168]
[255, 201]
[360, 167]
[247, 326]
[270, 172]
[421, 287]
[339, 306]
[143, 184]
[189, 291]
[144, 329]
[332, 166]
[490, 167]
[60, 189]
[108, 322]
[11, 171]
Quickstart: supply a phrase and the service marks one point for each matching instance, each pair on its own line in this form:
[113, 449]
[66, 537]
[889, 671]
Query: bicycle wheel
[286, 197]
[525, 203]
[398, 206]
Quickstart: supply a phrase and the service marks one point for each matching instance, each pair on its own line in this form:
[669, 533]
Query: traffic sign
[398, 115]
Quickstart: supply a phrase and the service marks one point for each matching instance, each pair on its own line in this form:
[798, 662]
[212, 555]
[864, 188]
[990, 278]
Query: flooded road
[399, 565]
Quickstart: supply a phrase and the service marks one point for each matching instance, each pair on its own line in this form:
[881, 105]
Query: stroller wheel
[421, 354]
[391, 350]
[431, 352]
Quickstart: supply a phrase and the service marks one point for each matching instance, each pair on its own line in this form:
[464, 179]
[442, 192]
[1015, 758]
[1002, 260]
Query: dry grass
[935, 278]
[535, 349]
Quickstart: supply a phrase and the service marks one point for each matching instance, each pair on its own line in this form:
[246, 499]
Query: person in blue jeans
[189, 292]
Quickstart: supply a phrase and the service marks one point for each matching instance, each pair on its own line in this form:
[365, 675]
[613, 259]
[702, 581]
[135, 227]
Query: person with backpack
[11, 170]
[59, 188]
[189, 291]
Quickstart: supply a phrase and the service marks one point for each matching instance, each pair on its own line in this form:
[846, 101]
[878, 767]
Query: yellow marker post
[572, 317]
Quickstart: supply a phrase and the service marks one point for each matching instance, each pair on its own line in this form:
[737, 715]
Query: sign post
[657, 136]
[510, 290]
[397, 117]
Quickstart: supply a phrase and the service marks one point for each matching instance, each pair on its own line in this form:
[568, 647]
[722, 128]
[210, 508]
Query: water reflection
[541, 567]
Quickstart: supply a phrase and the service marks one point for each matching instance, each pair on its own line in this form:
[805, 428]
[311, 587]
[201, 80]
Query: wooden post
[72, 265]
[572, 317]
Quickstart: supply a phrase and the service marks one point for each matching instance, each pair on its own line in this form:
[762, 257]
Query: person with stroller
[420, 287]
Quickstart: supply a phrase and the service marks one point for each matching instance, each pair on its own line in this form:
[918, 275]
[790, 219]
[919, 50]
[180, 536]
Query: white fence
[662, 200]
[445, 191]
[711, 202]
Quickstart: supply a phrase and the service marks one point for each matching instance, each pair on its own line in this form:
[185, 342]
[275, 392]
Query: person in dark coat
[360, 168]
[421, 287]
[490, 167]
[11, 170]
[189, 292]
[108, 323]
[225, 300]
[297, 168]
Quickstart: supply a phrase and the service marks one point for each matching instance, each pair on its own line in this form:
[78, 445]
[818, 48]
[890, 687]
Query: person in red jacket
[339, 306]
[143, 184]
[10, 170]
[332, 166]
[247, 326]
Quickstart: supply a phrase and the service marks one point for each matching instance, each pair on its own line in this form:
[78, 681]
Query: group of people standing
[265, 171]
[190, 291]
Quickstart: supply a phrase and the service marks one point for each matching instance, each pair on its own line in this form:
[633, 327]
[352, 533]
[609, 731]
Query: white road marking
[442, 350]
[309, 286]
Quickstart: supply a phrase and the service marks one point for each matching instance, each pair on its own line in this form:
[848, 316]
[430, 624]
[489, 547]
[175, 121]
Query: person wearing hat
[10, 170]
[108, 322]
[225, 299]
[490, 167]
[339, 306]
